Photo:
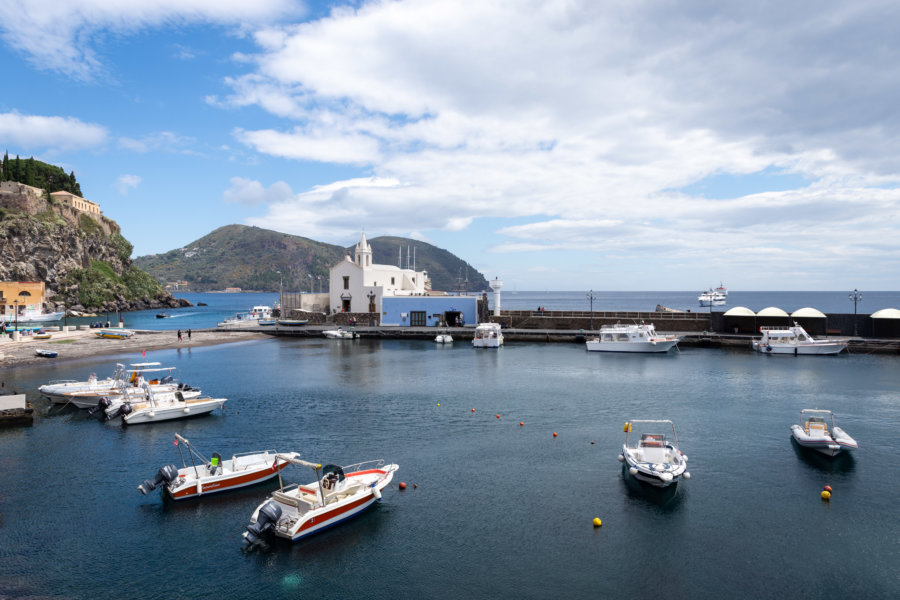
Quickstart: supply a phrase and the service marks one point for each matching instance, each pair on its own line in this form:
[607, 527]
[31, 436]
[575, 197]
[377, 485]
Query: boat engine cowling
[124, 409]
[265, 520]
[165, 475]
[101, 407]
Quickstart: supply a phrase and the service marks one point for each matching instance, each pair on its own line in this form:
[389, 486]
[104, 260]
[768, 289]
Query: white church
[400, 296]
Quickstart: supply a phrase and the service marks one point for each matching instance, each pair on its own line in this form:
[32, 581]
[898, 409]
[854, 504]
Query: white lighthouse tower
[496, 284]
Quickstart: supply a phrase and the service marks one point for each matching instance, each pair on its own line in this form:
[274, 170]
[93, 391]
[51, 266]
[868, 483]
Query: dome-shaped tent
[739, 319]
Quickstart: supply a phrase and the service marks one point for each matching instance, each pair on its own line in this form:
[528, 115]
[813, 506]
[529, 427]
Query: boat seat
[816, 427]
[294, 500]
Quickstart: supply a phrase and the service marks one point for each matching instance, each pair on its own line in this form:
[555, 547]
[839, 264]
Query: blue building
[429, 311]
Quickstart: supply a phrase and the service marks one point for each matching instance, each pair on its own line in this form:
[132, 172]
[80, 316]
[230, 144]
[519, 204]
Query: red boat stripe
[227, 483]
[324, 518]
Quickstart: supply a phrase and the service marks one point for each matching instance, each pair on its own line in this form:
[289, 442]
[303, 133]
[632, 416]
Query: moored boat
[443, 338]
[154, 408]
[653, 457]
[815, 434]
[114, 334]
[55, 390]
[631, 338]
[43, 353]
[340, 334]
[794, 340]
[31, 316]
[338, 493]
[291, 322]
[203, 477]
[488, 335]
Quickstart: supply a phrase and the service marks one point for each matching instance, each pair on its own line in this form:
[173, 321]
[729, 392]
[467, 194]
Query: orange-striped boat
[338, 493]
[203, 477]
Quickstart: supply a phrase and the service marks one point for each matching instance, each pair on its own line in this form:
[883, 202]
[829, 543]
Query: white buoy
[186, 410]
[687, 475]
[633, 470]
[665, 476]
[621, 458]
[684, 456]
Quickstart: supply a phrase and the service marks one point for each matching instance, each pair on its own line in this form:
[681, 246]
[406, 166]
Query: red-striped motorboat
[338, 493]
[203, 477]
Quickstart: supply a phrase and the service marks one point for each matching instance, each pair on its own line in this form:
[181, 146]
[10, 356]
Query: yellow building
[76, 202]
[21, 296]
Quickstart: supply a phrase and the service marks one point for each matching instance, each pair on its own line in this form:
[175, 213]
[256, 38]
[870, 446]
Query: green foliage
[99, 284]
[39, 174]
[88, 225]
[123, 247]
[51, 218]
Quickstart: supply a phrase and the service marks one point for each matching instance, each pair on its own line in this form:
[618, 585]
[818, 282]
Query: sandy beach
[81, 343]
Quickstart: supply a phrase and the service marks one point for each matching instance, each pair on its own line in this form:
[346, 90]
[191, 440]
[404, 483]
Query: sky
[556, 145]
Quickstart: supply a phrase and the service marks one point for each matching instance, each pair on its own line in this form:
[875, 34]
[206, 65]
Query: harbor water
[493, 509]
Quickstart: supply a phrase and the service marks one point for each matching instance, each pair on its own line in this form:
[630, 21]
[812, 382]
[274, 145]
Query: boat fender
[768, 348]
[686, 475]
[621, 458]
[377, 493]
[633, 470]
[266, 519]
[166, 474]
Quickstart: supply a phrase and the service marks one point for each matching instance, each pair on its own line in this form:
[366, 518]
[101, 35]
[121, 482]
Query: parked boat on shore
[653, 458]
[114, 334]
[631, 338]
[815, 434]
[338, 493]
[794, 340]
[212, 476]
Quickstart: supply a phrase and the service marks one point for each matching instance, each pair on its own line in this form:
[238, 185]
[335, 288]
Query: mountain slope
[250, 258]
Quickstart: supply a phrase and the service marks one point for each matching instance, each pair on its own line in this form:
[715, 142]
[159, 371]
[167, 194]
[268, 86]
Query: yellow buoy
[627, 427]
[439, 403]
[826, 495]
[597, 522]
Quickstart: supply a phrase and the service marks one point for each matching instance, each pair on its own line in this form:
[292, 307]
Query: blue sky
[556, 145]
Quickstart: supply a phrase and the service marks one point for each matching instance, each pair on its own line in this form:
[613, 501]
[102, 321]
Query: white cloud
[166, 141]
[127, 182]
[55, 133]
[250, 193]
[58, 35]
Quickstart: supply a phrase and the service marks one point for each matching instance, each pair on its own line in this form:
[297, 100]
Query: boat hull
[178, 410]
[804, 349]
[224, 483]
[644, 347]
[824, 444]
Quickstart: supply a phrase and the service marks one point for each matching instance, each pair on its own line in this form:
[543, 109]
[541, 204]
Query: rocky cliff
[82, 258]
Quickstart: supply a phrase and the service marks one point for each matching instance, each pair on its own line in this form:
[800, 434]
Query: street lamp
[310, 282]
[16, 303]
[319, 278]
[856, 296]
[281, 294]
[591, 297]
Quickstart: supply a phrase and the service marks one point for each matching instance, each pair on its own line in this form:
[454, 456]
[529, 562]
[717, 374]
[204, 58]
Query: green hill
[250, 258]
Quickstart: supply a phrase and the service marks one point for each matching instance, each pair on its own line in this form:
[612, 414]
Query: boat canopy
[808, 313]
[886, 313]
[739, 311]
[772, 311]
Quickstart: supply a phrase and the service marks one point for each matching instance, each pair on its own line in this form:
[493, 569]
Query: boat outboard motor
[265, 520]
[165, 475]
[101, 407]
[124, 409]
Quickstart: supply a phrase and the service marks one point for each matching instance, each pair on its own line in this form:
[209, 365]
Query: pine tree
[5, 176]
[29, 172]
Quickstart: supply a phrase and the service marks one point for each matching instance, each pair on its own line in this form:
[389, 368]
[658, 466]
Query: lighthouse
[496, 284]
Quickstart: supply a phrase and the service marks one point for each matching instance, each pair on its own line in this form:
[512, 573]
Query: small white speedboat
[56, 391]
[443, 338]
[338, 493]
[794, 340]
[653, 457]
[631, 338]
[203, 477]
[814, 433]
[154, 408]
[340, 334]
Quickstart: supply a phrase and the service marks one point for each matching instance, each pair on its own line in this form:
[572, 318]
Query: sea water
[493, 509]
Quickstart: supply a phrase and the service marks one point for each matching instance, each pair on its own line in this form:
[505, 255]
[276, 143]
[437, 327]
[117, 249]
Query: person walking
[179, 335]
[189, 335]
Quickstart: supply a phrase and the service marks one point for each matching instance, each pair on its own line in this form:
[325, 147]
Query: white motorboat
[154, 408]
[815, 434]
[340, 334]
[652, 457]
[338, 493]
[204, 477]
[253, 317]
[794, 340]
[31, 315]
[111, 406]
[631, 338]
[56, 391]
[488, 335]
[443, 338]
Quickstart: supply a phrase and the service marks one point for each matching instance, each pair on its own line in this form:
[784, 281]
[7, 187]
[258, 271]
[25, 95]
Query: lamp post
[16, 303]
[319, 279]
[281, 294]
[591, 297]
[310, 282]
[856, 296]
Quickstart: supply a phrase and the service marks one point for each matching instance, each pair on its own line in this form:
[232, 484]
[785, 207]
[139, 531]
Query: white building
[357, 285]
[400, 297]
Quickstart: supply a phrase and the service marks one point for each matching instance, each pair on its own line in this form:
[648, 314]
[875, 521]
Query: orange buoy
[402, 486]
[827, 488]
[498, 416]
[554, 434]
[473, 410]
[521, 423]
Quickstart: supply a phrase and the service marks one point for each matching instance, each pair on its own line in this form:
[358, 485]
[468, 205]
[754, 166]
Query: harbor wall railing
[591, 320]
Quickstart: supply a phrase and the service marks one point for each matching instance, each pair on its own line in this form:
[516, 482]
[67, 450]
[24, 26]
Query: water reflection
[842, 463]
[668, 498]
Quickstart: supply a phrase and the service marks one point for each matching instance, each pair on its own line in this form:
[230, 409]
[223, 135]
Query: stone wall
[575, 320]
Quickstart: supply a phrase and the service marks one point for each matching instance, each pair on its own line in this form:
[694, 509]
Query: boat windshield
[338, 471]
[653, 440]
